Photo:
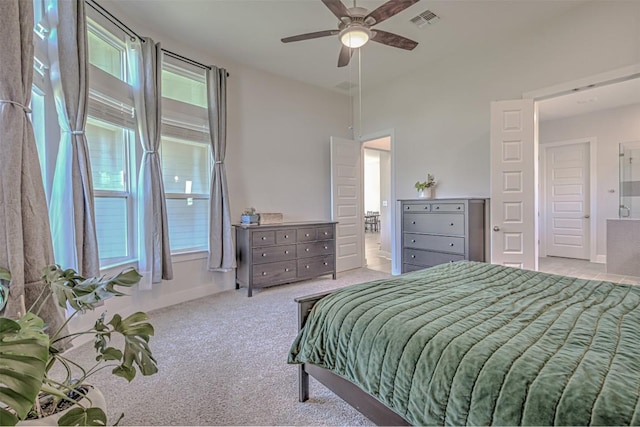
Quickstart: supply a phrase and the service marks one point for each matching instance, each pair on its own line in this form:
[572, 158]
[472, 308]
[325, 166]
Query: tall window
[111, 142]
[185, 154]
[109, 153]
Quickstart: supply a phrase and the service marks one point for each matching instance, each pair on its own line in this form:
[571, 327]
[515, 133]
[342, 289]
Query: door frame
[394, 206]
[593, 205]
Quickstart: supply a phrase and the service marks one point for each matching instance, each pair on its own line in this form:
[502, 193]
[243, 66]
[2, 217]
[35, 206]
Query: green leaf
[110, 353]
[83, 417]
[24, 351]
[5, 275]
[136, 332]
[7, 418]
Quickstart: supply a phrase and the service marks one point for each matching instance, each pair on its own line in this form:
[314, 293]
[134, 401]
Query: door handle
[496, 228]
[587, 216]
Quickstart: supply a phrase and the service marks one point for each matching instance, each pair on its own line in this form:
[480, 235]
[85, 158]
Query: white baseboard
[601, 259]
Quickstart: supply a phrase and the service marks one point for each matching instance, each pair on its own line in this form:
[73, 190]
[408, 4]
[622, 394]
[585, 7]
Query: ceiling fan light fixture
[355, 36]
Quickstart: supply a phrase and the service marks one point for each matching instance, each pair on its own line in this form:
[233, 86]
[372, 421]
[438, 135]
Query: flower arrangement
[430, 182]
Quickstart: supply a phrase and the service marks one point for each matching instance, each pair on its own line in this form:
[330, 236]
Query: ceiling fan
[355, 25]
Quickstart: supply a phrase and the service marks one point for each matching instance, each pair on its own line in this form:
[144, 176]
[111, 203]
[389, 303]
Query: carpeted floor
[222, 361]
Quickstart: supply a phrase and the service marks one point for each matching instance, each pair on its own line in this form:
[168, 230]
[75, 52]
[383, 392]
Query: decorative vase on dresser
[274, 254]
[435, 231]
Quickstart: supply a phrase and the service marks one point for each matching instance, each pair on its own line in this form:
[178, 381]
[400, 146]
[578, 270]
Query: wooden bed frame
[366, 404]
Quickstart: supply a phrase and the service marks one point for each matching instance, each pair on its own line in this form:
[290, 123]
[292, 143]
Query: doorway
[377, 203]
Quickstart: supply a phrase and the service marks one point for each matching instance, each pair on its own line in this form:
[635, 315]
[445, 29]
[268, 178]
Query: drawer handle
[413, 222]
[451, 261]
[286, 252]
[306, 266]
[437, 207]
[264, 238]
[413, 256]
[413, 240]
[326, 233]
[408, 207]
[264, 273]
[451, 224]
[326, 263]
[306, 234]
[286, 269]
[306, 249]
[458, 207]
[286, 236]
[326, 247]
[450, 244]
[264, 254]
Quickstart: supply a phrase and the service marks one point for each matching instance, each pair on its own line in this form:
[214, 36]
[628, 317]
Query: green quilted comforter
[480, 344]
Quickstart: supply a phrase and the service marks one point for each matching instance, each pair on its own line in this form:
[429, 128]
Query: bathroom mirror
[630, 179]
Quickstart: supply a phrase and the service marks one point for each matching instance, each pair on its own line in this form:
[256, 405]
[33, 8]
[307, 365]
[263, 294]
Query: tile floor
[555, 265]
[375, 260]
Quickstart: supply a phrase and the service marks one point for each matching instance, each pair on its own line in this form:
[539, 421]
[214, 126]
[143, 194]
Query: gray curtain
[71, 207]
[221, 252]
[25, 239]
[153, 228]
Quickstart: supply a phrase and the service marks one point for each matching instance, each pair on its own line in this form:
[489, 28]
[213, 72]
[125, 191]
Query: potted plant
[249, 216]
[425, 188]
[28, 390]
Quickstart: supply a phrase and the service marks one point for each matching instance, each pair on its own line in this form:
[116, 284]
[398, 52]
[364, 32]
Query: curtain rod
[115, 21]
[118, 23]
[188, 60]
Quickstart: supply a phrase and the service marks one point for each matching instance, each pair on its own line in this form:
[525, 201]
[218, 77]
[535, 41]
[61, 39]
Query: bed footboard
[305, 304]
[349, 392]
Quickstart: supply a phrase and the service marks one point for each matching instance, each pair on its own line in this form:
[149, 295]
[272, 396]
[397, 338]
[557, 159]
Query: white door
[514, 170]
[567, 220]
[346, 201]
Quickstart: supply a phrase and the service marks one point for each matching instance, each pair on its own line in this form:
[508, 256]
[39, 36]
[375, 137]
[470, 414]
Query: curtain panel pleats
[71, 207]
[221, 250]
[25, 239]
[154, 251]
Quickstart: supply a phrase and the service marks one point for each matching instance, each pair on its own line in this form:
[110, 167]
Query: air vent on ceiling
[426, 17]
[346, 86]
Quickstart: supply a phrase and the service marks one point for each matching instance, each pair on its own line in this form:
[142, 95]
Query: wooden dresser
[273, 254]
[435, 231]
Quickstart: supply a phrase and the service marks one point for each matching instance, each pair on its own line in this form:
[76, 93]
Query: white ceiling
[249, 32]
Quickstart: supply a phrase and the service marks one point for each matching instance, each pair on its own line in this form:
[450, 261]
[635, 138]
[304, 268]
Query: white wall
[385, 196]
[277, 161]
[610, 128]
[440, 115]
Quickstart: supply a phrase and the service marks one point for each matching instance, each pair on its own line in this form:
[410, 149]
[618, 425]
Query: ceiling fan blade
[389, 9]
[394, 40]
[345, 56]
[337, 7]
[309, 36]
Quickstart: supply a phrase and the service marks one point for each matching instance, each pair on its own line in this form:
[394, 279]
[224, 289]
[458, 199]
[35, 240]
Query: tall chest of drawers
[435, 231]
[270, 255]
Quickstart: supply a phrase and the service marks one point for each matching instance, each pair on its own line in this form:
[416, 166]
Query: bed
[475, 343]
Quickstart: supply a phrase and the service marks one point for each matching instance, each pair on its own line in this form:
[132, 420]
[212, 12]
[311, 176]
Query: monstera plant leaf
[24, 351]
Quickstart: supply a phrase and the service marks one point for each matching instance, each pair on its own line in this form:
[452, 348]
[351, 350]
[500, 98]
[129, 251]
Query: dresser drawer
[313, 267]
[447, 207]
[416, 207]
[263, 238]
[428, 258]
[286, 236]
[311, 249]
[274, 272]
[447, 223]
[306, 235]
[434, 243]
[273, 253]
[407, 268]
[324, 233]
